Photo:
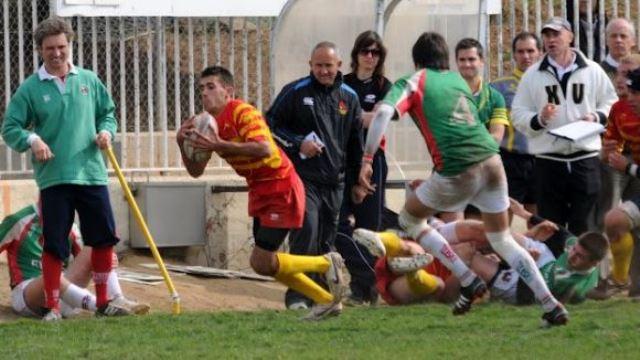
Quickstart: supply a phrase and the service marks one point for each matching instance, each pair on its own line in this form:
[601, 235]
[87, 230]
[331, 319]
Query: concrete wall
[229, 238]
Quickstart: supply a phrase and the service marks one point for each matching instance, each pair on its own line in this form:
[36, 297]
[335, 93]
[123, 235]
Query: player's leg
[272, 222]
[485, 266]
[28, 298]
[464, 231]
[619, 222]
[79, 273]
[98, 229]
[494, 202]
[447, 194]
[416, 286]
[304, 241]
[79, 270]
[289, 269]
[57, 211]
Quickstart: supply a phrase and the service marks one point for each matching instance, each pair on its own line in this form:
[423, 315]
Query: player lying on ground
[402, 280]
[21, 238]
[276, 194]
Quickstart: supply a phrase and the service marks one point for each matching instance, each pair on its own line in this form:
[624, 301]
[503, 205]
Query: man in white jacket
[562, 88]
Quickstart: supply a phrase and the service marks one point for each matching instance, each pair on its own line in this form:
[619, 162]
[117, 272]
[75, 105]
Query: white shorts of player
[483, 185]
[17, 300]
[632, 211]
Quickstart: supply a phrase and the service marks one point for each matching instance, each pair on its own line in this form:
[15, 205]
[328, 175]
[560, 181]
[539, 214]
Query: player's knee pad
[414, 226]
[422, 283]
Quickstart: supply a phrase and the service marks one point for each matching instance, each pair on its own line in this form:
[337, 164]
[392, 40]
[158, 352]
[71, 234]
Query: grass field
[598, 330]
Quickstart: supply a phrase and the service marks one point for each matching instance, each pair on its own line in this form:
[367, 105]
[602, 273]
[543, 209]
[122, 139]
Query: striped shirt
[240, 122]
[513, 140]
[624, 126]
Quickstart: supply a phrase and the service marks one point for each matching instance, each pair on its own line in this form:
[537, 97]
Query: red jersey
[240, 122]
[624, 126]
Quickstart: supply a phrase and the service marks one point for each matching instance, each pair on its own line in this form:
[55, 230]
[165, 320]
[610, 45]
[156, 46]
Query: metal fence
[150, 65]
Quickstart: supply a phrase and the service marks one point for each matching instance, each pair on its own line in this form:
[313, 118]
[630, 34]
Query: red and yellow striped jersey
[624, 126]
[240, 122]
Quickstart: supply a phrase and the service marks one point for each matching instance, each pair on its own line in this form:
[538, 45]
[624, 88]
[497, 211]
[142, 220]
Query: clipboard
[577, 130]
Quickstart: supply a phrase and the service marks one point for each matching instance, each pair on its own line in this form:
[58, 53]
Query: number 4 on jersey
[462, 114]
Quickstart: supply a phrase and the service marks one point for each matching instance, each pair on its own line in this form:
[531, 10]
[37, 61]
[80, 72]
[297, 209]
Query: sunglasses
[373, 52]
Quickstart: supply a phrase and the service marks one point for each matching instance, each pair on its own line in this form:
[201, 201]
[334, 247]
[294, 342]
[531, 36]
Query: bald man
[317, 122]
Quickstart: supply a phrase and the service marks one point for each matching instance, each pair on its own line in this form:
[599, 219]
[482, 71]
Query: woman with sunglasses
[368, 81]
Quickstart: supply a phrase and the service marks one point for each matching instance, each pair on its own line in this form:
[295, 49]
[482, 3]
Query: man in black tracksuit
[317, 122]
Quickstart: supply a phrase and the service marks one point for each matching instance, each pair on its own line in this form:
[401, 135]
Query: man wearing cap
[563, 87]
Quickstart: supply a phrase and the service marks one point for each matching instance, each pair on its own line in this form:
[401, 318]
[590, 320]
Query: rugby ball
[206, 125]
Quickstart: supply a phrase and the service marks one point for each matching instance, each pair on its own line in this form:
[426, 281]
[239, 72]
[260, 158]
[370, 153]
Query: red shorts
[278, 203]
[384, 277]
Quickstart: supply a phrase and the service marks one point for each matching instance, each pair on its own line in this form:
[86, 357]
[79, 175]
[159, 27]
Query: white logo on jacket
[370, 98]
[46, 98]
[307, 101]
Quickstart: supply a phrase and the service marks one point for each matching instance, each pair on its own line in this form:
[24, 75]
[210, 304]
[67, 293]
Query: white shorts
[483, 185]
[631, 209]
[505, 286]
[17, 300]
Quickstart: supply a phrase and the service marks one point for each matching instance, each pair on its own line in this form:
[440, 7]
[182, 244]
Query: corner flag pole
[175, 298]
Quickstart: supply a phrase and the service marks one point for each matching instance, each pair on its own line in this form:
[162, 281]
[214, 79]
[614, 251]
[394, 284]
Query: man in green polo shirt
[65, 115]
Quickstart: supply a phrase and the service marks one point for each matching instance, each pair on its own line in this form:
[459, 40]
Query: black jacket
[333, 113]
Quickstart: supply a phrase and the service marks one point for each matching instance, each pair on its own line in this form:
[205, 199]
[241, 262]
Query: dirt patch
[196, 294]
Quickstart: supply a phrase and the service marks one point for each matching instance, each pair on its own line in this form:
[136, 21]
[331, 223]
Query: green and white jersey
[21, 237]
[444, 111]
[564, 282]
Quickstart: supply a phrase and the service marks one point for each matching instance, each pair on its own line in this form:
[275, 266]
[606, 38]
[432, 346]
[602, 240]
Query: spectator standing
[562, 88]
[518, 162]
[317, 122]
[368, 81]
[65, 115]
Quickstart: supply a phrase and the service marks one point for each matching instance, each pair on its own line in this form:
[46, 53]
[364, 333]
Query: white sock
[435, 244]
[113, 285]
[80, 298]
[522, 262]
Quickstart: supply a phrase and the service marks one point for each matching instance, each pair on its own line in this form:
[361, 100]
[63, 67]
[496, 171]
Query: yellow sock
[621, 250]
[291, 264]
[304, 285]
[392, 243]
[422, 283]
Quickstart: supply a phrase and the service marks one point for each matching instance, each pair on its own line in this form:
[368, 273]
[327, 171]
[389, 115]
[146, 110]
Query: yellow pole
[175, 298]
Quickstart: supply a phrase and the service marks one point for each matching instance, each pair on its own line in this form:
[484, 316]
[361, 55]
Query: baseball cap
[557, 23]
[633, 80]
